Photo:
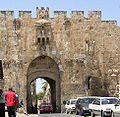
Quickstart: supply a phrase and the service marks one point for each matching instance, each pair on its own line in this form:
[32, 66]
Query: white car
[103, 106]
[116, 111]
[70, 106]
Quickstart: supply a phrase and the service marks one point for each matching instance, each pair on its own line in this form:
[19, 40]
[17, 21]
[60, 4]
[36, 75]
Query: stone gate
[74, 55]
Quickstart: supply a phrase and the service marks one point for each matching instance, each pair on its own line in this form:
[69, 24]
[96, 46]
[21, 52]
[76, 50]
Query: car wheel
[92, 114]
[102, 114]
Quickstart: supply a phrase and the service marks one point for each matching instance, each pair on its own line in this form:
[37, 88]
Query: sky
[39, 84]
[110, 8]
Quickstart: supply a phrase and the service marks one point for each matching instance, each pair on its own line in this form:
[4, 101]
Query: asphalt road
[59, 115]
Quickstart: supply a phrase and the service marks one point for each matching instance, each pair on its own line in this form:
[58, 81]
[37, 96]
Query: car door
[96, 106]
[117, 109]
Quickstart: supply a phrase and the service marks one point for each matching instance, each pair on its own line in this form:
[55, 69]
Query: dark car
[46, 107]
[82, 105]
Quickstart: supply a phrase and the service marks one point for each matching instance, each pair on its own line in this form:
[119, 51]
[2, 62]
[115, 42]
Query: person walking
[2, 103]
[17, 97]
[10, 97]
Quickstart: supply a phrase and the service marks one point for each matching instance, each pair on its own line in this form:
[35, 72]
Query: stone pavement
[23, 115]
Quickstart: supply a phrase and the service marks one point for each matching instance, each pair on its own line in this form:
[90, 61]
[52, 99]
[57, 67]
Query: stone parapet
[111, 22]
[23, 14]
[60, 14]
[94, 14]
[77, 14]
[6, 14]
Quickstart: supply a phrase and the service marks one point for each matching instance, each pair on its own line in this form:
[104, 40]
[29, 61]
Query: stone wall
[82, 47]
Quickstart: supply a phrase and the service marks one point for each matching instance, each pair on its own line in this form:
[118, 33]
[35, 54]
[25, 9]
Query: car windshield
[87, 100]
[73, 101]
[109, 101]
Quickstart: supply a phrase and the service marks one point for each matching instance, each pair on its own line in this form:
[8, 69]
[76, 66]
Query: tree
[40, 96]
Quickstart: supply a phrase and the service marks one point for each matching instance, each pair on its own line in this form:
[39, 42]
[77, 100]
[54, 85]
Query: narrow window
[1, 70]
[38, 40]
[43, 41]
[89, 78]
[47, 41]
[87, 46]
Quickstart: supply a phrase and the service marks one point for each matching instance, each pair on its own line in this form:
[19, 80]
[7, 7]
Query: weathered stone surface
[85, 50]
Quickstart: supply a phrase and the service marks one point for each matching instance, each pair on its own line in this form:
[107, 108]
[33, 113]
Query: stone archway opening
[49, 91]
[46, 68]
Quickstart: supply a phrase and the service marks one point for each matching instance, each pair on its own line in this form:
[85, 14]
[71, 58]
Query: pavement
[22, 115]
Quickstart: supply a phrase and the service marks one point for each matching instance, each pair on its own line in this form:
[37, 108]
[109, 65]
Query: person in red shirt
[11, 99]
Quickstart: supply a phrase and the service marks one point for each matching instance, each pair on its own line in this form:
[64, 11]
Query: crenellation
[94, 14]
[23, 14]
[6, 14]
[60, 14]
[77, 14]
[111, 22]
[67, 52]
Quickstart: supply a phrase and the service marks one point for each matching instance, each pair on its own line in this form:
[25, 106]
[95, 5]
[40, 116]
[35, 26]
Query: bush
[40, 96]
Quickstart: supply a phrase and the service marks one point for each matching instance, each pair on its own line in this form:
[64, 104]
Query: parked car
[82, 104]
[116, 110]
[103, 106]
[70, 106]
[46, 107]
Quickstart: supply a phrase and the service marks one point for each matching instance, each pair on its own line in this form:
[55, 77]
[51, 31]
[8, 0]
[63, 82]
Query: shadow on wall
[95, 87]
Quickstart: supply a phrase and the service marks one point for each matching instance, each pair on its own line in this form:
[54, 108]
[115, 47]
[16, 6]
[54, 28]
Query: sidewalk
[22, 115]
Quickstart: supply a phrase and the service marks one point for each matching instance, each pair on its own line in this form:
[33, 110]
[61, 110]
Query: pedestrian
[17, 97]
[22, 106]
[2, 103]
[10, 97]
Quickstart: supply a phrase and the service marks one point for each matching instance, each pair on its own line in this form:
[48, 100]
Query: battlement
[43, 13]
[58, 14]
[7, 14]
[77, 14]
[111, 22]
[23, 14]
[94, 14]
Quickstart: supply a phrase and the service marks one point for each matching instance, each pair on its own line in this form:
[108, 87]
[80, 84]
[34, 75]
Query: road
[59, 115]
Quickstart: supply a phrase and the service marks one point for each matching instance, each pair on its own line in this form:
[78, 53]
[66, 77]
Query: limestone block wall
[82, 47]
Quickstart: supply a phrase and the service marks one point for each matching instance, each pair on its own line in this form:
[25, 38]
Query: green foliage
[40, 96]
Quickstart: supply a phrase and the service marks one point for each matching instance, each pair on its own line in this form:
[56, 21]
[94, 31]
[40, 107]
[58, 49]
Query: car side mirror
[116, 104]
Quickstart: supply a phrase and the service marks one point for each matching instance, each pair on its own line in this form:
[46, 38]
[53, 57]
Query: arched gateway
[47, 68]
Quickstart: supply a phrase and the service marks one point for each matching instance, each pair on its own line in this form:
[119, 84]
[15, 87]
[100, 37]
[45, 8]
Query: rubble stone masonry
[86, 50]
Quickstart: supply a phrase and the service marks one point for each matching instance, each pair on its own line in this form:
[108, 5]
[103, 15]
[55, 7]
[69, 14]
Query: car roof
[86, 97]
[107, 97]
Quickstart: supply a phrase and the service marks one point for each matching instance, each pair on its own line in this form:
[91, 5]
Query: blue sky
[39, 84]
[110, 8]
